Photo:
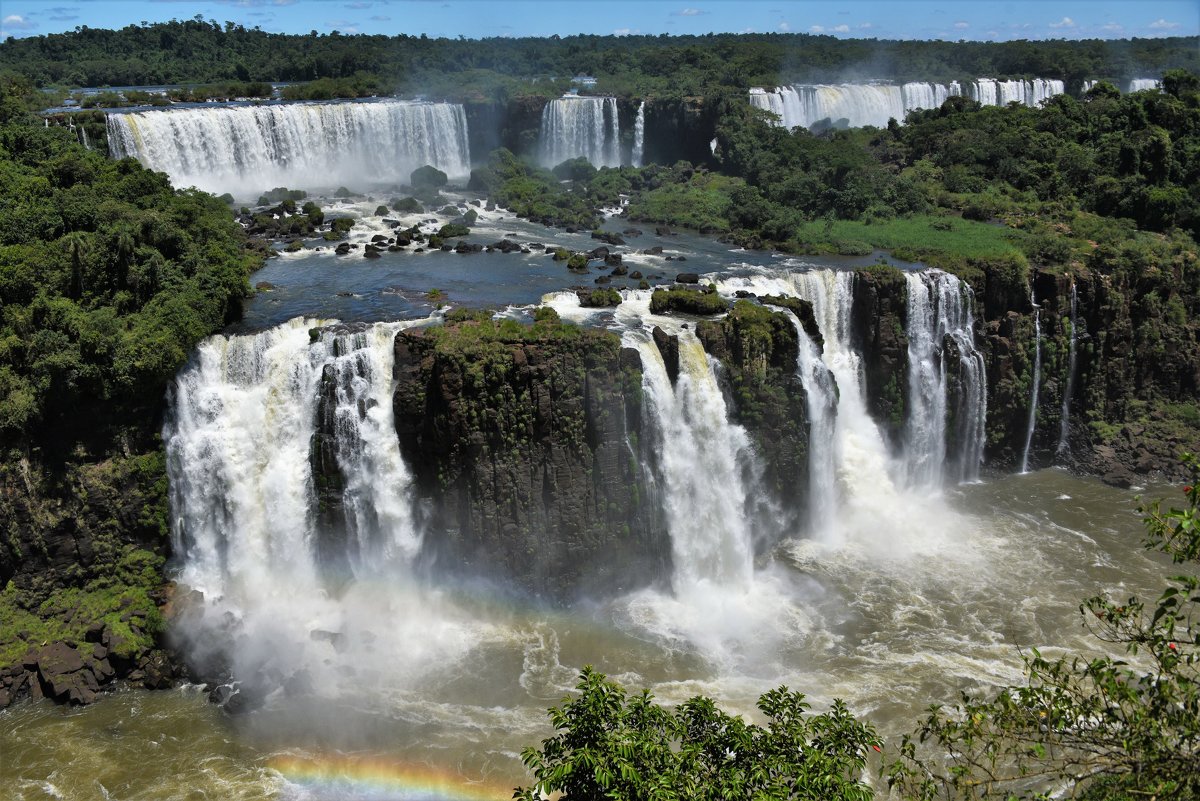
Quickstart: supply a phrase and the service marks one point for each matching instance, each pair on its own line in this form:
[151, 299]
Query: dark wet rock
[687, 278]
[608, 237]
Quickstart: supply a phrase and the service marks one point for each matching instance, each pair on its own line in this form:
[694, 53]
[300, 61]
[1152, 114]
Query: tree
[615, 747]
[1098, 727]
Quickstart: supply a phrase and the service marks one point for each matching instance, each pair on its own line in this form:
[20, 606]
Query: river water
[922, 594]
[893, 619]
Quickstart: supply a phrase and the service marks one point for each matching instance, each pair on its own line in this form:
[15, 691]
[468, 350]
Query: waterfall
[860, 104]
[1142, 84]
[639, 135]
[246, 150]
[574, 126]
[1037, 379]
[243, 416]
[701, 457]
[821, 398]
[863, 465]
[1064, 425]
[940, 309]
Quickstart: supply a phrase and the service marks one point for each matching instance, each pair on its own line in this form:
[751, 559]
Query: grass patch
[926, 237]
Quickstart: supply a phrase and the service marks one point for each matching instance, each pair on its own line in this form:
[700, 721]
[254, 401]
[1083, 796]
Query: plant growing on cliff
[1096, 727]
[610, 745]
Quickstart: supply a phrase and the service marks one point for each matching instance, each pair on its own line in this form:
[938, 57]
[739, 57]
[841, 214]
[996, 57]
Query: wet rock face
[878, 326]
[525, 455]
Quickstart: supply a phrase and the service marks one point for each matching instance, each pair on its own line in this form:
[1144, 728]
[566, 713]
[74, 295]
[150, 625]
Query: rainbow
[377, 778]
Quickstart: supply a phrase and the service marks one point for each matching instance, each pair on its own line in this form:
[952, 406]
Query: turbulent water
[575, 126]
[244, 150]
[901, 586]
[860, 104]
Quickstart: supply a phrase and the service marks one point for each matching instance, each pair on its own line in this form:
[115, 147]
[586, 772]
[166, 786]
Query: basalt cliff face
[527, 459]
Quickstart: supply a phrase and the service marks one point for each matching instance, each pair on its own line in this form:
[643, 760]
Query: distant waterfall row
[859, 104]
[245, 150]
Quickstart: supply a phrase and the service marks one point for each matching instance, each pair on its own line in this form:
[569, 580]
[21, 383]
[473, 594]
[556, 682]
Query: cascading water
[821, 401]
[574, 126]
[245, 150]
[1036, 378]
[1142, 84]
[701, 457]
[939, 308]
[246, 416]
[1064, 425]
[862, 104]
[639, 135]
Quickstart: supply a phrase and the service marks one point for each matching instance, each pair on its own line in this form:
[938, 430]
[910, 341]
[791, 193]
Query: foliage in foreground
[614, 746]
[1096, 728]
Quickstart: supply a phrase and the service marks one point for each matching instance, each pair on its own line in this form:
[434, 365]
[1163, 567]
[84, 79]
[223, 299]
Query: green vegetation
[702, 202]
[534, 193]
[1106, 728]
[599, 298]
[205, 51]
[614, 746]
[702, 301]
[108, 279]
[121, 599]
[427, 177]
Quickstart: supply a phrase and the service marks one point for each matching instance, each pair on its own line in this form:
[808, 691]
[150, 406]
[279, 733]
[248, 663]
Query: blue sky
[886, 19]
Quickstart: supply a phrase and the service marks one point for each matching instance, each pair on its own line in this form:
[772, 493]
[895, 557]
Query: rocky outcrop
[523, 444]
[878, 326]
[80, 573]
[758, 348]
[1133, 396]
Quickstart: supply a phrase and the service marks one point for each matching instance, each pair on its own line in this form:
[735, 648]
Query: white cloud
[748, 30]
[992, 34]
[841, 29]
[783, 26]
[1112, 27]
[1065, 22]
[814, 28]
[961, 25]
[690, 12]
[15, 22]
[865, 26]
[1159, 24]
[624, 32]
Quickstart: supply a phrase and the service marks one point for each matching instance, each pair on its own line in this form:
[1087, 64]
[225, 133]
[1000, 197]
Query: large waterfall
[288, 579]
[701, 457]
[859, 104]
[574, 126]
[940, 315]
[821, 400]
[245, 150]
